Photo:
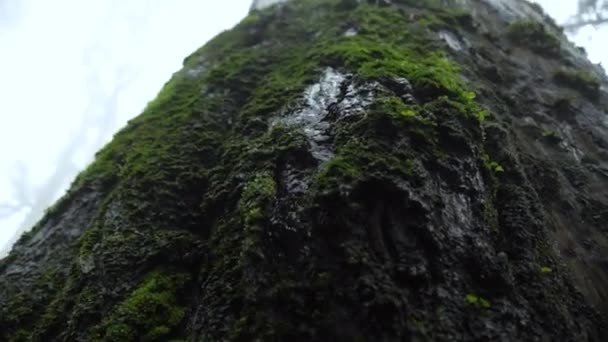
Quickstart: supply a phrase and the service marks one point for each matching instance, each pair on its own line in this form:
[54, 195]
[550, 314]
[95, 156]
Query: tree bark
[340, 170]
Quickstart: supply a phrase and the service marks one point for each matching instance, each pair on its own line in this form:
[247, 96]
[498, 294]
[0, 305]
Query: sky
[62, 59]
[72, 72]
[590, 38]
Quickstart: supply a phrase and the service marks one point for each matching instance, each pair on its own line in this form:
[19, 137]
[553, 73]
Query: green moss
[535, 36]
[477, 301]
[55, 314]
[447, 19]
[429, 4]
[430, 74]
[18, 309]
[89, 239]
[282, 85]
[50, 279]
[150, 312]
[27, 307]
[394, 106]
[263, 80]
[257, 199]
[462, 107]
[375, 56]
[172, 101]
[492, 165]
[257, 196]
[482, 115]
[340, 171]
[252, 20]
[202, 160]
[546, 270]
[357, 161]
[579, 80]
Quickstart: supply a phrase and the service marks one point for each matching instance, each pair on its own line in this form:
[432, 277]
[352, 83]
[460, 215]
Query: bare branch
[580, 24]
[589, 13]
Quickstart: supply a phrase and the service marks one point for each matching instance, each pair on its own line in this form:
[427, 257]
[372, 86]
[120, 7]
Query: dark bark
[340, 171]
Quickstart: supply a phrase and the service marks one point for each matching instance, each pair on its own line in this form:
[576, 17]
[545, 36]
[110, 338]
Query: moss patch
[150, 313]
[546, 270]
[579, 80]
[535, 36]
[492, 165]
[477, 301]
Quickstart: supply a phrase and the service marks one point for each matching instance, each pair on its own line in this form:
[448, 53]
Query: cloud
[10, 12]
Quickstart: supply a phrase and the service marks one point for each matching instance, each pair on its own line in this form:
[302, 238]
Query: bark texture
[340, 170]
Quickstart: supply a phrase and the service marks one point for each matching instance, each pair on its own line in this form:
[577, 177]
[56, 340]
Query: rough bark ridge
[333, 170]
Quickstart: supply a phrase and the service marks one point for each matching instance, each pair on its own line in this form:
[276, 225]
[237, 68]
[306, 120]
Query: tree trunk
[340, 170]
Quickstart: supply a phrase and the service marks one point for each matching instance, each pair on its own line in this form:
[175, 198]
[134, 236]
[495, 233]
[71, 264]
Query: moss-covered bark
[338, 170]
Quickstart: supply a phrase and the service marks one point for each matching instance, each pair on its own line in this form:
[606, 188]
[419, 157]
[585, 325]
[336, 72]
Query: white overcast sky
[43, 88]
